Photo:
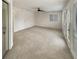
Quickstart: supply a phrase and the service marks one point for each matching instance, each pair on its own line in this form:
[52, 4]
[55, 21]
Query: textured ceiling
[46, 5]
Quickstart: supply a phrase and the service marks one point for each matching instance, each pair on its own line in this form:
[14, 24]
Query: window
[53, 17]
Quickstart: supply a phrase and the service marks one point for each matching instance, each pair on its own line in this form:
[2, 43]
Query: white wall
[43, 19]
[22, 19]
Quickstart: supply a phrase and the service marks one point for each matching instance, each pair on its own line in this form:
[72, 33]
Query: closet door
[66, 27]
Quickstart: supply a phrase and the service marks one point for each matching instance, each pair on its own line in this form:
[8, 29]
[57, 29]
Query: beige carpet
[39, 43]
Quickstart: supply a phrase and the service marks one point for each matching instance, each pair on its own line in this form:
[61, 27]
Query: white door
[5, 27]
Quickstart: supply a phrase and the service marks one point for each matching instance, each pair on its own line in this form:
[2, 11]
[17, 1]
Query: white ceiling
[46, 5]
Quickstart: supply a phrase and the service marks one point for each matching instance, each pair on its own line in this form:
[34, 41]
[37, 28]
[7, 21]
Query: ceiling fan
[39, 10]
